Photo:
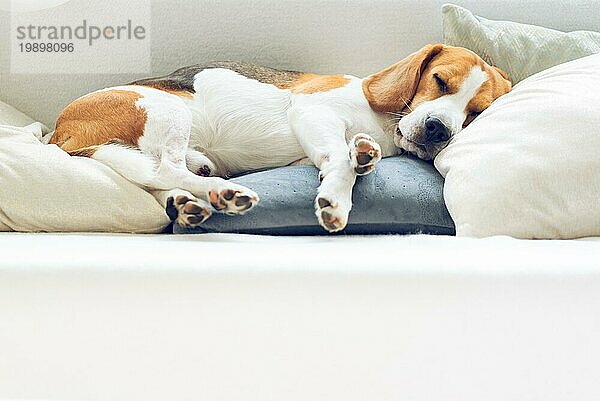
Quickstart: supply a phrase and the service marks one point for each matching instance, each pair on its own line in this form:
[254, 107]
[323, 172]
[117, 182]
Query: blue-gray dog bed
[402, 196]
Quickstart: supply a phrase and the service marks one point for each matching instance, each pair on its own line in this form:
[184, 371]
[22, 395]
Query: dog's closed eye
[442, 85]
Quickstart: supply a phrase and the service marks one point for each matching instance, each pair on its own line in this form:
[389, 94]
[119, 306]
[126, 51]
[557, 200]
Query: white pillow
[529, 166]
[11, 116]
[45, 189]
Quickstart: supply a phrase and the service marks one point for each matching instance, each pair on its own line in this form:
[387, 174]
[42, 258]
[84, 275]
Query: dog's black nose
[435, 130]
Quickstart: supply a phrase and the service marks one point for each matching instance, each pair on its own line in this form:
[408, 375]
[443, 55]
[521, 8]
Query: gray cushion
[403, 195]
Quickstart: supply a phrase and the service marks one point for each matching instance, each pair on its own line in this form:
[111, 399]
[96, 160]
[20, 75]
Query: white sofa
[236, 318]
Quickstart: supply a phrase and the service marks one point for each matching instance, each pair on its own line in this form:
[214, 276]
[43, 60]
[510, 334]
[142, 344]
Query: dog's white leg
[182, 207]
[322, 136]
[225, 196]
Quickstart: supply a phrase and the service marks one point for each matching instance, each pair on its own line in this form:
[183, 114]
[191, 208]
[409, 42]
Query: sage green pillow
[521, 50]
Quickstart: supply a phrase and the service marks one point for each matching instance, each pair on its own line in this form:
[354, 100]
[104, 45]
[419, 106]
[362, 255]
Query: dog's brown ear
[501, 72]
[393, 88]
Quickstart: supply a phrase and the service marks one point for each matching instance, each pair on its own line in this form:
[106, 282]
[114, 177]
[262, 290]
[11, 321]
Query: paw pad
[364, 154]
[204, 171]
[187, 212]
[330, 216]
[232, 201]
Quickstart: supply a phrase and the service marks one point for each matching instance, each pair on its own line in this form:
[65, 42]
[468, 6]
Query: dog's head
[435, 93]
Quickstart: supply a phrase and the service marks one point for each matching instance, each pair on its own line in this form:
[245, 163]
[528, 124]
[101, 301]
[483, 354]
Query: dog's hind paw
[187, 212]
[233, 199]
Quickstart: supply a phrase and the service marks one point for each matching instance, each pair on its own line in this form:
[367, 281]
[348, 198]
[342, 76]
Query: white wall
[353, 36]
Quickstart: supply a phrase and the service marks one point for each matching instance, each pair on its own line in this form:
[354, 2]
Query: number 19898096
[46, 47]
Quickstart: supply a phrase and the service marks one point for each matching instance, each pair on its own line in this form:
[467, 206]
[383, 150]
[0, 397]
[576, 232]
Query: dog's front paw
[332, 214]
[187, 212]
[233, 199]
[364, 153]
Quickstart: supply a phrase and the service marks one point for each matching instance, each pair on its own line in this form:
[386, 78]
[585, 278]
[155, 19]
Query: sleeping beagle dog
[179, 136]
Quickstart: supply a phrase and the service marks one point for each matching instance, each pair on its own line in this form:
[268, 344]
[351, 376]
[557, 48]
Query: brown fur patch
[99, 118]
[312, 83]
